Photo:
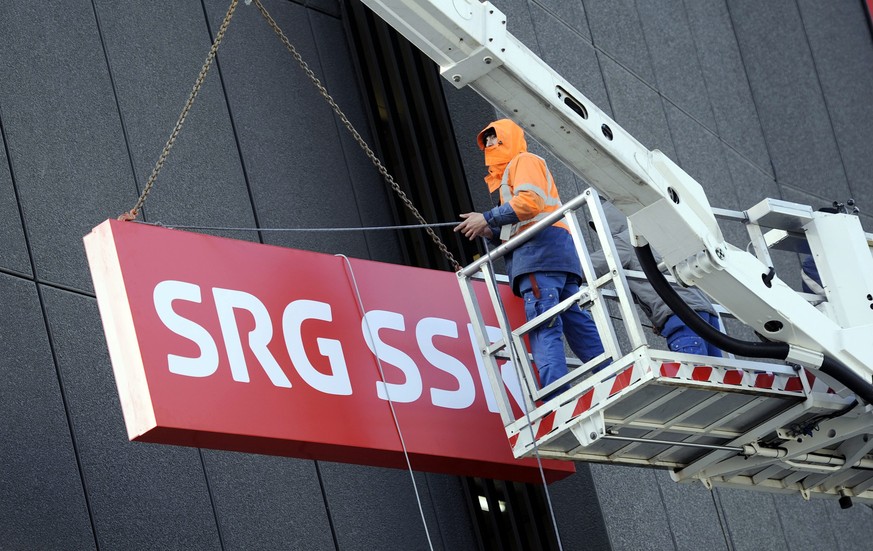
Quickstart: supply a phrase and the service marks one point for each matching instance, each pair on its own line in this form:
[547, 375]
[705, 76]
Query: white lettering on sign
[374, 325]
[226, 301]
[163, 296]
[408, 391]
[292, 321]
[425, 331]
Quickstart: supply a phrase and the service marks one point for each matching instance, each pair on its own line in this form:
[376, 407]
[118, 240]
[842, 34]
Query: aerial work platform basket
[723, 421]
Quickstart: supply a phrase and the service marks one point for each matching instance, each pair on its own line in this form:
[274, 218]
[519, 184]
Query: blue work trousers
[680, 337]
[576, 324]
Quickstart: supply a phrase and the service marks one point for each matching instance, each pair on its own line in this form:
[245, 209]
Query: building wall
[752, 98]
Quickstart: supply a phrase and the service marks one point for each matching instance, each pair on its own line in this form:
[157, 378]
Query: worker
[546, 269]
[680, 338]
[810, 280]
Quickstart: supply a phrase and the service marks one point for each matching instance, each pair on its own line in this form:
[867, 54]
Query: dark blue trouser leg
[546, 341]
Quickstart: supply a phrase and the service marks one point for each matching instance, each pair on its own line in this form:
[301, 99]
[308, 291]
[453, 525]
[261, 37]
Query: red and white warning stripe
[720, 376]
[817, 385]
[593, 399]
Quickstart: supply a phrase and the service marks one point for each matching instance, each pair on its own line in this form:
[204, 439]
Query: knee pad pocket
[535, 306]
[688, 344]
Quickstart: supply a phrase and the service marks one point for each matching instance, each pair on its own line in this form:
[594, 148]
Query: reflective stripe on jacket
[528, 187]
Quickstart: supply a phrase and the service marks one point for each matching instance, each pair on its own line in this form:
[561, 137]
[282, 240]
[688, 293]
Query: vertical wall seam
[824, 98]
[781, 523]
[700, 66]
[44, 313]
[666, 510]
[130, 157]
[341, 132]
[722, 519]
[234, 132]
[434, 510]
[599, 51]
[754, 102]
[211, 498]
[326, 505]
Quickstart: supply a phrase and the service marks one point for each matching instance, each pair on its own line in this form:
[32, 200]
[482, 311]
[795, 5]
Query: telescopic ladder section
[723, 421]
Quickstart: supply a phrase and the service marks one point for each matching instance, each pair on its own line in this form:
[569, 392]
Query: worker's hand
[473, 226]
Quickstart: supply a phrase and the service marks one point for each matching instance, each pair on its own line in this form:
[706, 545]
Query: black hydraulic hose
[752, 349]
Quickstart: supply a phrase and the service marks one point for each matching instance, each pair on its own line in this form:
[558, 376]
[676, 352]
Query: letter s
[461, 398]
[207, 363]
[408, 391]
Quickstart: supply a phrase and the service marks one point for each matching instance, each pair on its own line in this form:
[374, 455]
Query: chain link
[132, 214]
[356, 135]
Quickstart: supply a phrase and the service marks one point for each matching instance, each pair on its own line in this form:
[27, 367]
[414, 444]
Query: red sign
[233, 345]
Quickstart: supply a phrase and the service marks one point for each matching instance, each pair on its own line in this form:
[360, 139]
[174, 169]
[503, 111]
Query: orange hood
[510, 142]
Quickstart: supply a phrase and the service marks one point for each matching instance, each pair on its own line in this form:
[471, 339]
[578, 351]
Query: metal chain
[132, 213]
[356, 135]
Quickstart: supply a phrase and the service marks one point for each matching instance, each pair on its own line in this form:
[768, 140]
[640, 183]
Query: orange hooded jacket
[523, 179]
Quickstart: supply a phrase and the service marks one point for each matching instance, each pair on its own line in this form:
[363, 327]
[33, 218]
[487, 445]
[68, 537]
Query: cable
[364, 228]
[517, 364]
[390, 402]
[201, 77]
[776, 350]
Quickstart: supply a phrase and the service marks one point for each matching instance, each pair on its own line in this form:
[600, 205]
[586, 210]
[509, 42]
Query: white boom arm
[667, 207]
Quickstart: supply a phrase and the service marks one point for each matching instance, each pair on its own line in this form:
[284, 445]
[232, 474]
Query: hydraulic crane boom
[667, 208]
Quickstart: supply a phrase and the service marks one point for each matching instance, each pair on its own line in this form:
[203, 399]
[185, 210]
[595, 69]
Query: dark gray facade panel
[616, 31]
[750, 183]
[637, 107]
[376, 508]
[287, 132]
[578, 511]
[674, 58]
[727, 84]
[850, 527]
[571, 56]
[42, 500]
[842, 48]
[13, 247]
[752, 520]
[368, 190]
[571, 13]
[155, 56]
[62, 128]
[142, 496]
[264, 502]
[788, 95]
[800, 523]
[632, 507]
[330, 7]
[693, 515]
[453, 526]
